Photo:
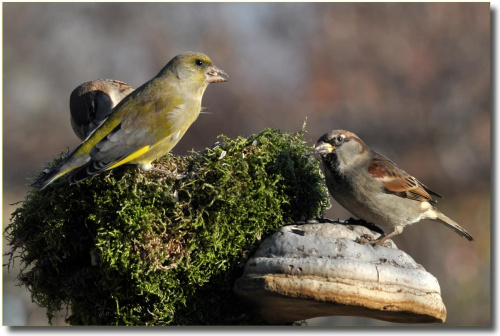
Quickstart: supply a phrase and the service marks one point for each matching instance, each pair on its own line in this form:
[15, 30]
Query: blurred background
[412, 80]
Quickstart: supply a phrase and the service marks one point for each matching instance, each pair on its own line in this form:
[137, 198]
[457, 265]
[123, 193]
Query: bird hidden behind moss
[141, 248]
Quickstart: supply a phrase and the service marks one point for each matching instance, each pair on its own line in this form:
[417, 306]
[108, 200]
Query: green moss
[143, 248]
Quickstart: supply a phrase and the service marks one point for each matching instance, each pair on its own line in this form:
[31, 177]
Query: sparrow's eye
[340, 138]
[198, 62]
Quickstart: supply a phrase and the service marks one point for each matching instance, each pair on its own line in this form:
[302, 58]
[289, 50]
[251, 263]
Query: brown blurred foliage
[411, 79]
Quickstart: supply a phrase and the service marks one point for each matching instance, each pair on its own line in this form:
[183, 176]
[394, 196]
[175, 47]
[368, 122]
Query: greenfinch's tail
[47, 179]
[75, 175]
[68, 164]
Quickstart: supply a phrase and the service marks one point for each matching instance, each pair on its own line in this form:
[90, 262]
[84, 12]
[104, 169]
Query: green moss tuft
[143, 248]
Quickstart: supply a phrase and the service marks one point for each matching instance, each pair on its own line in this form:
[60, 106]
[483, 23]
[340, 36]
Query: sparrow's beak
[324, 148]
[216, 75]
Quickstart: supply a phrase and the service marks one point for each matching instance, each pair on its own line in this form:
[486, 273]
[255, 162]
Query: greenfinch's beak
[324, 148]
[216, 75]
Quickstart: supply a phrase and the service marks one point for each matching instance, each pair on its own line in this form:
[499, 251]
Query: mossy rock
[143, 248]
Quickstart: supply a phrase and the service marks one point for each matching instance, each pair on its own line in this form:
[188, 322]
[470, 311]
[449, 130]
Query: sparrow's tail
[453, 225]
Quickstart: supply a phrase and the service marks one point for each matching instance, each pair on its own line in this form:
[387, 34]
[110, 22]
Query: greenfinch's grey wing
[110, 152]
[120, 146]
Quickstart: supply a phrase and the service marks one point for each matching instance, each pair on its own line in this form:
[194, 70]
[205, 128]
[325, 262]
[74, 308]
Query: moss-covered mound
[143, 248]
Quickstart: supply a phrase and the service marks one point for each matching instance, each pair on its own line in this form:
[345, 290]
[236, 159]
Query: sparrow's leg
[380, 240]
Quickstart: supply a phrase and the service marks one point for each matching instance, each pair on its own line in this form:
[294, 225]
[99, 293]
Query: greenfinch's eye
[198, 62]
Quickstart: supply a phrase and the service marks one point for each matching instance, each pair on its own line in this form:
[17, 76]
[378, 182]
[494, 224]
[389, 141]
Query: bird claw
[383, 240]
[365, 239]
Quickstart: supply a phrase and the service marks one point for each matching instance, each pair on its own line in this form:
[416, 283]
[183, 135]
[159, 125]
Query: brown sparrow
[374, 188]
[92, 102]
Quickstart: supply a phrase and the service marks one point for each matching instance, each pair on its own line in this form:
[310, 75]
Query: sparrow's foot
[364, 239]
[383, 238]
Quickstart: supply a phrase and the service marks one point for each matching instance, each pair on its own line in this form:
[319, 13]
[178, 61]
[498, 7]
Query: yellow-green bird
[146, 124]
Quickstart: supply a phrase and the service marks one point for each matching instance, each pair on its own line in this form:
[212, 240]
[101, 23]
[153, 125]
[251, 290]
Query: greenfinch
[146, 124]
[91, 103]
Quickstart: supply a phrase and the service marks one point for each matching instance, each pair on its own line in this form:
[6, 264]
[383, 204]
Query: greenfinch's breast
[179, 121]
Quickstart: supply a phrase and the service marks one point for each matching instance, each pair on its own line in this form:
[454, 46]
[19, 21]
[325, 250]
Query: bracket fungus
[313, 270]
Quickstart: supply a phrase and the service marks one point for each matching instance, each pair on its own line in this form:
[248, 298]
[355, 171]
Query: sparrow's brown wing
[396, 181]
